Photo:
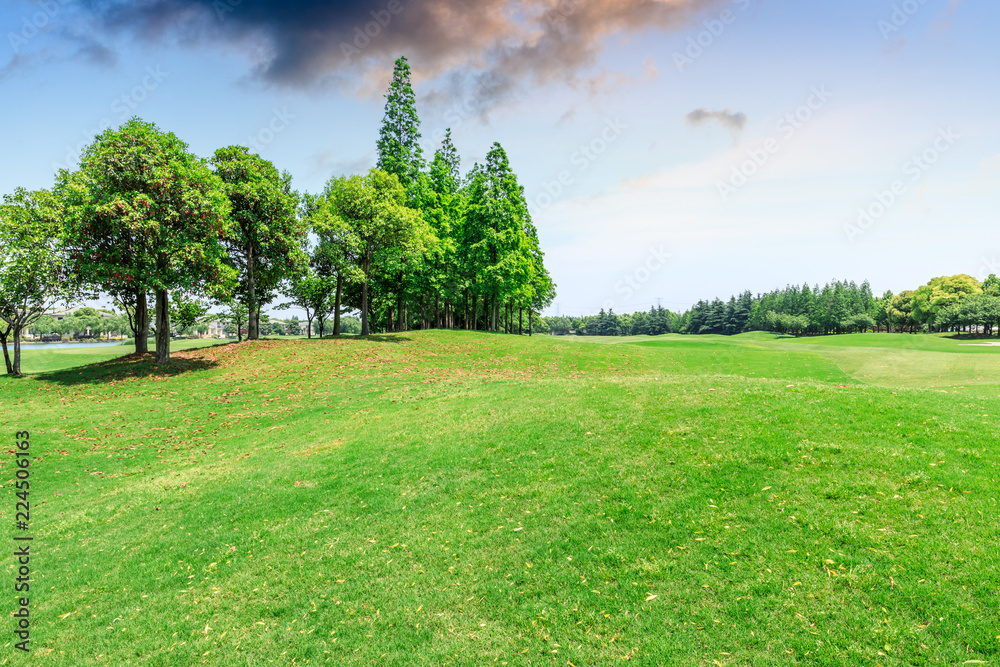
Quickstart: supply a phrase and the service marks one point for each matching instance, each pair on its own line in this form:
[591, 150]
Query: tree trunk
[253, 327]
[162, 327]
[141, 323]
[437, 311]
[309, 325]
[364, 294]
[475, 313]
[400, 315]
[520, 321]
[6, 354]
[529, 322]
[16, 333]
[389, 324]
[336, 306]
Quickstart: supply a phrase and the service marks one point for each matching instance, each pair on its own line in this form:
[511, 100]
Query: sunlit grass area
[465, 498]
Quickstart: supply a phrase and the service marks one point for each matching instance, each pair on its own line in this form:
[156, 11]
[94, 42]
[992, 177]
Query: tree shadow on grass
[132, 366]
[373, 338]
[966, 336]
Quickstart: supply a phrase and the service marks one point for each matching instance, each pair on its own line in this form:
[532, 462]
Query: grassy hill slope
[463, 498]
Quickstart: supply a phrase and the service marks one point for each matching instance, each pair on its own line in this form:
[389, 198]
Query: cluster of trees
[837, 307]
[99, 323]
[654, 323]
[946, 303]
[418, 245]
[269, 326]
[157, 228]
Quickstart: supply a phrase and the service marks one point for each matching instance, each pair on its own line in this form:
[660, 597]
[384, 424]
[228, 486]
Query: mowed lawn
[41, 359]
[460, 498]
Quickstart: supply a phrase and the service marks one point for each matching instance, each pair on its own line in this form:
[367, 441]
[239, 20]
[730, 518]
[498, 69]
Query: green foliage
[186, 312]
[858, 323]
[350, 325]
[991, 285]
[33, 258]
[387, 232]
[143, 213]
[785, 323]
[499, 244]
[337, 254]
[234, 317]
[559, 326]
[947, 303]
[407, 245]
[942, 292]
[264, 235]
[314, 293]
[900, 311]
[978, 310]
[398, 145]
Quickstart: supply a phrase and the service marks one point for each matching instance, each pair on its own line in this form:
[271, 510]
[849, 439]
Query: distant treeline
[947, 303]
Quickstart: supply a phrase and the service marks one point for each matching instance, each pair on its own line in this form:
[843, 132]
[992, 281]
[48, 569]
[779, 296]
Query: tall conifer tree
[398, 144]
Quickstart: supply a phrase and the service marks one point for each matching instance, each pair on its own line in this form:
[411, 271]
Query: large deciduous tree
[336, 255]
[940, 293]
[32, 265]
[144, 213]
[264, 236]
[386, 230]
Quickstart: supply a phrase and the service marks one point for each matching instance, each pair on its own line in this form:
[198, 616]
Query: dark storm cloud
[305, 43]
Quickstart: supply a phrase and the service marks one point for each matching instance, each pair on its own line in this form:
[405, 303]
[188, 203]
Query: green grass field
[459, 498]
[38, 359]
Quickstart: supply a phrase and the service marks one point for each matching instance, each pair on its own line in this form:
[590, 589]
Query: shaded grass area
[37, 359]
[460, 498]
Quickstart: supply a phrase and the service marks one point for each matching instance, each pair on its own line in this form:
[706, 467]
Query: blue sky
[814, 113]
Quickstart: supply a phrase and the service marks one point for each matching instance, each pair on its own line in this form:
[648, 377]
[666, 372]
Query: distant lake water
[56, 346]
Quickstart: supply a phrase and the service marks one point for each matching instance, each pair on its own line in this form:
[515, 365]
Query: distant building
[215, 330]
